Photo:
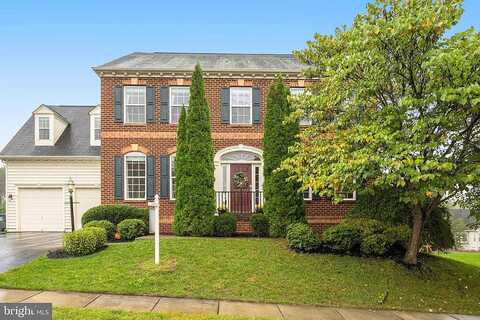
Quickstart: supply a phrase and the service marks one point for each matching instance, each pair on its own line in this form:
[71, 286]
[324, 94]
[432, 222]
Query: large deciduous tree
[283, 199]
[199, 206]
[397, 104]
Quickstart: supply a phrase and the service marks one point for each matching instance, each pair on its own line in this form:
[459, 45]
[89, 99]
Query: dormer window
[95, 126]
[135, 104]
[43, 128]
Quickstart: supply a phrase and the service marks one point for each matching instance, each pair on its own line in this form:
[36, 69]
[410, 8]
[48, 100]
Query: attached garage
[41, 209]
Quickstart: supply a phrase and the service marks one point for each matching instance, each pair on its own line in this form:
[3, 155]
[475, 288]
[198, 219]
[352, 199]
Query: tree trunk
[416, 238]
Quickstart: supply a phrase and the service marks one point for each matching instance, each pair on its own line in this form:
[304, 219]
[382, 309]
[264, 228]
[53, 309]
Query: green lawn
[472, 258]
[257, 270]
[84, 314]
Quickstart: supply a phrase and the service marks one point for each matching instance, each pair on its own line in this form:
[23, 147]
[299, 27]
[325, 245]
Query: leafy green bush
[130, 229]
[344, 237]
[385, 205]
[301, 238]
[260, 225]
[84, 241]
[225, 225]
[115, 214]
[105, 224]
[376, 244]
[400, 235]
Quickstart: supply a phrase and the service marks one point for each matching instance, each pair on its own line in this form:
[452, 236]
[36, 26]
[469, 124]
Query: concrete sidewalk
[235, 308]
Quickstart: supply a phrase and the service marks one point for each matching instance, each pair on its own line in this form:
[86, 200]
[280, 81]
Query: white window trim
[44, 142]
[310, 197]
[170, 176]
[354, 197]
[93, 141]
[125, 170]
[170, 105]
[125, 105]
[251, 105]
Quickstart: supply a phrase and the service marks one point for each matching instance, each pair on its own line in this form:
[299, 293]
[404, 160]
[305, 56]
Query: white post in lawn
[156, 206]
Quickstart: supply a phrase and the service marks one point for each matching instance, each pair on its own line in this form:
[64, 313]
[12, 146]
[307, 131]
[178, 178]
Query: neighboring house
[468, 239]
[55, 144]
[141, 99]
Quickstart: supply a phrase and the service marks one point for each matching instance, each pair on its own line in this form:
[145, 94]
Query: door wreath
[240, 180]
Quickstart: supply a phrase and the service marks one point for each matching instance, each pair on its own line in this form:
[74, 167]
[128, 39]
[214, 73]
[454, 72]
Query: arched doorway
[239, 179]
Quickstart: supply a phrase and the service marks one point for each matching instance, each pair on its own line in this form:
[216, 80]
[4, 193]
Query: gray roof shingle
[221, 62]
[75, 140]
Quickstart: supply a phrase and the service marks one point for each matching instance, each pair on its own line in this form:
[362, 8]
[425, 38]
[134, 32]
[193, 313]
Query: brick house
[141, 97]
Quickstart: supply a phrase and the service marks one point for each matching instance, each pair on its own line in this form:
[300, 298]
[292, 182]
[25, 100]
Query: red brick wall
[159, 139]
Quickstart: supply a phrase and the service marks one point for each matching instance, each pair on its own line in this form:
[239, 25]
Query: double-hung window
[135, 176]
[241, 105]
[179, 96]
[307, 194]
[43, 128]
[135, 104]
[172, 177]
[304, 121]
[96, 128]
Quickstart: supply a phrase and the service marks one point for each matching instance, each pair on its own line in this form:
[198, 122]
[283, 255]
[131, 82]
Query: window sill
[135, 124]
[241, 125]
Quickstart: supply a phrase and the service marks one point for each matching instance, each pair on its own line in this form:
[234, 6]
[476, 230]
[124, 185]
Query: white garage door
[41, 209]
[85, 199]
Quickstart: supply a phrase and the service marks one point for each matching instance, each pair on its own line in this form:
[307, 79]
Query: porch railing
[239, 202]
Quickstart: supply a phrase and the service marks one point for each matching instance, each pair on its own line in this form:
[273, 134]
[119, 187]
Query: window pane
[241, 115]
[135, 104]
[44, 128]
[172, 176]
[241, 97]
[180, 96]
[44, 134]
[96, 128]
[175, 114]
[296, 91]
[135, 177]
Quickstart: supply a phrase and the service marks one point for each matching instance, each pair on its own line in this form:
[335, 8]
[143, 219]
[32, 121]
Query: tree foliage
[397, 103]
[197, 168]
[180, 225]
[283, 199]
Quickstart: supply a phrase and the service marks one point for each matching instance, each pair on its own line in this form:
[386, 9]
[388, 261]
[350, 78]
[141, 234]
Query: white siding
[47, 173]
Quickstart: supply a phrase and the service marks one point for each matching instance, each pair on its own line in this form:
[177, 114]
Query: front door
[240, 188]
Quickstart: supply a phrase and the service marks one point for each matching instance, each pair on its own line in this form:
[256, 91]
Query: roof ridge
[218, 53]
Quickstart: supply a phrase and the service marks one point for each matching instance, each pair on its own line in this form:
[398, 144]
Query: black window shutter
[257, 105]
[150, 104]
[164, 105]
[119, 178]
[118, 101]
[225, 105]
[164, 176]
[150, 177]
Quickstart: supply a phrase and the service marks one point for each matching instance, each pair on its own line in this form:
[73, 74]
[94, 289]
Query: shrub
[400, 235]
[129, 229]
[301, 238]
[85, 241]
[344, 237]
[115, 214]
[107, 225]
[260, 224]
[224, 225]
[376, 244]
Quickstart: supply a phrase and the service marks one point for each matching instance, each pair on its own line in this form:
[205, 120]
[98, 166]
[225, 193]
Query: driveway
[19, 248]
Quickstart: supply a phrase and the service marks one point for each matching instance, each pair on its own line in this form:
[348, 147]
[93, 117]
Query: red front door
[240, 188]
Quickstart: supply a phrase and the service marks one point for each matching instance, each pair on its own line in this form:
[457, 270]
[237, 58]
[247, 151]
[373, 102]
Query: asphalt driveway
[19, 248]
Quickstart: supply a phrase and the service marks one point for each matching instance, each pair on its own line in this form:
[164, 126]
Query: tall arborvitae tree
[283, 199]
[199, 207]
[180, 225]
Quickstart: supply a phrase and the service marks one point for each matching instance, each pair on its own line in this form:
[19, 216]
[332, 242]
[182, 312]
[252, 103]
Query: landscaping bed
[257, 270]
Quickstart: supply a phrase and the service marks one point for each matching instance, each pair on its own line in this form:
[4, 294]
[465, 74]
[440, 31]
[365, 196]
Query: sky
[47, 48]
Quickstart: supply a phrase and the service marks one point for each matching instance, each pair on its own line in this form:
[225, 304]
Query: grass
[90, 314]
[257, 270]
[471, 258]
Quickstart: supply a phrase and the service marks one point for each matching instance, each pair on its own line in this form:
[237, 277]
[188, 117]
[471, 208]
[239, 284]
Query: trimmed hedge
[130, 229]
[115, 214]
[224, 225]
[105, 224]
[260, 225]
[301, 238]
[85, 241]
